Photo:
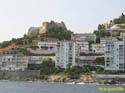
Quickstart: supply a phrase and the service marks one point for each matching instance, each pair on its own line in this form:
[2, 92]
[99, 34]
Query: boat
[71, 83]
[81, 83]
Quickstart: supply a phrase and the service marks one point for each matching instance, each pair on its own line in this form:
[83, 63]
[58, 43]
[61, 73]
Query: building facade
[40, 59]
[51, 46]
[115, 55]
[83, 37]
[88, 58]
[122, 35]
[13, 62]
[67, 54]
[83, 46]
[98, 48]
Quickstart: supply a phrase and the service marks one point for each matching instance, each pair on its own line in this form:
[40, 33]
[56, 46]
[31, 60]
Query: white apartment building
[13, 62]
[115, 55]
[83, 37]
[67, 54]
[104, 40]
[98, 48]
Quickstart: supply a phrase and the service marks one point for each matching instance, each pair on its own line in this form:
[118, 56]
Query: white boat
[81, 83]
[71, 83]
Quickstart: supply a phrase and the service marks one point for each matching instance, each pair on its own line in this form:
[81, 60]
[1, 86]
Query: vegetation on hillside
[120, 20]
[4, 44]
[102, 32]
[59, 33]
[48, 68]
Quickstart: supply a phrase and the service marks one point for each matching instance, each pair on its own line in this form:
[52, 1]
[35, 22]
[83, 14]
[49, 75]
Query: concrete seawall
[110, 76]
[19, 74]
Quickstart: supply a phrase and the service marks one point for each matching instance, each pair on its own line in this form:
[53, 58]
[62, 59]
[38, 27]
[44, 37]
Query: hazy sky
[16, 16]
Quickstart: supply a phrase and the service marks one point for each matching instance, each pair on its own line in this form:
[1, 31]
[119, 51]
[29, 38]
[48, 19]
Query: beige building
[40, 59]
[83, 37]
[98, 48]
[122, 35]
[13, 62]
[83, 46]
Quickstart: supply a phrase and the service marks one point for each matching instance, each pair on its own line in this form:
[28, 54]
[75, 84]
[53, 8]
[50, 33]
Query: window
[120, 45]
[8, 59]
[112, 45]
[107, 65]
[107, 58]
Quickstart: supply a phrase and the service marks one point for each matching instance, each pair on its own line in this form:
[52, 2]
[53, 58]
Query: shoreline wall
[19, 74]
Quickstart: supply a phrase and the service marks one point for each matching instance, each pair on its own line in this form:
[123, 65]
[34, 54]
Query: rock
[33, 31]
[49, 25]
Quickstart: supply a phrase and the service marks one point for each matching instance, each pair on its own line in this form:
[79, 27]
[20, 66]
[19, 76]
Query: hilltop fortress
[46, 26]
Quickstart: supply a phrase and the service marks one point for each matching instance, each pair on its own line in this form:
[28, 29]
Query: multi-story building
[88, 58]
[83, 37]
[38, 59]
[67, 54]
[115, 55]
[84, 46]
[122, 35]
[13, 62]
[102, 40]
[51, 46]
[98, 48]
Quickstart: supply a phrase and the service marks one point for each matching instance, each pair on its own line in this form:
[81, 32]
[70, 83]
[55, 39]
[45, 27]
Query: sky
[80, 16]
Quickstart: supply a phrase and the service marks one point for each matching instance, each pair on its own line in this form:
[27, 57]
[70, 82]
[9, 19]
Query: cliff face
[33, 31]
[45, 27]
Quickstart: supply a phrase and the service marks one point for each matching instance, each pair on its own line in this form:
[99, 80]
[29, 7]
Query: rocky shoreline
[66, 80]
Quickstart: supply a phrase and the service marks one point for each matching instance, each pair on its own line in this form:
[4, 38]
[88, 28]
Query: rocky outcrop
[49, 25]
[33, 31]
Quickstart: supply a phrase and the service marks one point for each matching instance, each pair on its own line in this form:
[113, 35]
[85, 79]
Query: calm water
[38, 87]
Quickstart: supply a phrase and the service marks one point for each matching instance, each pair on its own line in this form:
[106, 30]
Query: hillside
[112, 28]
[49, 31]
[55, 31]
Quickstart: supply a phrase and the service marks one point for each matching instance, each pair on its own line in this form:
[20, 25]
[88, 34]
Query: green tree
[23, 51]
[4, 44]
[47, 67]
[100, 61]
[90, 44]
[86, 68]
[120, 20]
[59, 33]
[74, 72]
[101, 27]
